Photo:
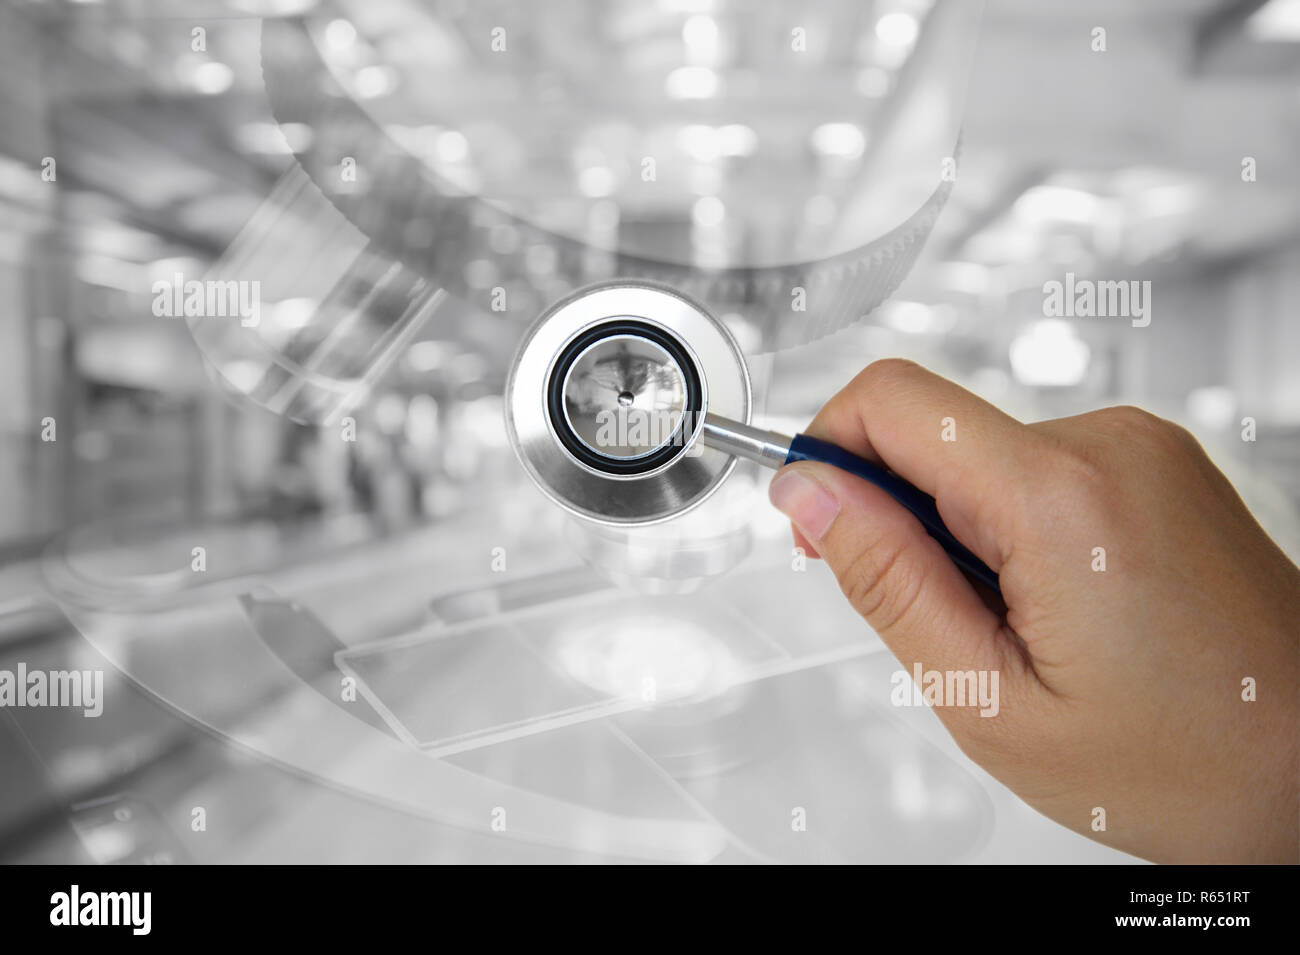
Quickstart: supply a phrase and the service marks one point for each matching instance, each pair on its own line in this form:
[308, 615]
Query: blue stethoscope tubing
[921, 505]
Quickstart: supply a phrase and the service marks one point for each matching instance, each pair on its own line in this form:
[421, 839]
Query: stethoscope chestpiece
[606, 398]
[625, 397]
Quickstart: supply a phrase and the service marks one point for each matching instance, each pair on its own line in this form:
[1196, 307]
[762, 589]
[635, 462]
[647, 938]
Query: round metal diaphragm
[625, 398]
[607, 395]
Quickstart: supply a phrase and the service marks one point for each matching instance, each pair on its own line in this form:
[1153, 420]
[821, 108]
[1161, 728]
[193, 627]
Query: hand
[1121, 688]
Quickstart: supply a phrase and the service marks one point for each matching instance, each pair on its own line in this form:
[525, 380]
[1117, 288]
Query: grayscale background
[390, 646]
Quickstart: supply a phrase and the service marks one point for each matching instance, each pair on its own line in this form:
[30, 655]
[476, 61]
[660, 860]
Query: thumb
[893, 573]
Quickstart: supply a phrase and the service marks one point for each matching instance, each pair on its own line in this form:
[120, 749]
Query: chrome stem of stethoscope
[768, 448]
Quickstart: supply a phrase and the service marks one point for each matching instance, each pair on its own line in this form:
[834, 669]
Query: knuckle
[887, 374]
[1150, 432]
[1126, 414]
[1184, 438]
[1130, 422]
[1078, 467]
[1075, 481]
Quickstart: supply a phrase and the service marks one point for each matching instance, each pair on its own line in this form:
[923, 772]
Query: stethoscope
[628, 404]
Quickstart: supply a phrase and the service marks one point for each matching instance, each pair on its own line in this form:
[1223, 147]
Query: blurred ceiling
[1132, 154]
[1156, 128]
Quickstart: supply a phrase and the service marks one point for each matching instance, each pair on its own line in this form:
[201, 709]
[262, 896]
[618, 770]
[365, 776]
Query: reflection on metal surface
[649, 660]
[515, 593]
[677, 557]
[630, 382]
[427, 683]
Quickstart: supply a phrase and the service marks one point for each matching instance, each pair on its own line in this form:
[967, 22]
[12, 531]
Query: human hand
[1119, 688]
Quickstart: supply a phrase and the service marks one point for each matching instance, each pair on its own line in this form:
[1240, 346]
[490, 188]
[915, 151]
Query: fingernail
[804, 501]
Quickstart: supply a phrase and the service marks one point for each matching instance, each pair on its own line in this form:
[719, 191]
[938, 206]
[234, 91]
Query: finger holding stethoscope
[776, 450]
[931, 438]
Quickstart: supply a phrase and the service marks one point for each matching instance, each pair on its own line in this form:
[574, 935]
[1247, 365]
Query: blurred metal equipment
[340, 311]
[311, 85]
[677, 557]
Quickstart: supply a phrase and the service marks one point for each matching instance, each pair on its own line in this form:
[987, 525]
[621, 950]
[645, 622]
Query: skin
[1119, 689]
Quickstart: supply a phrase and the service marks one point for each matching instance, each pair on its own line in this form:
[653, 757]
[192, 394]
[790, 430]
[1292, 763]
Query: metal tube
[768, 448]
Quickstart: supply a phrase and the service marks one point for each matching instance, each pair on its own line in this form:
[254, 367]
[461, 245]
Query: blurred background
[331, 610]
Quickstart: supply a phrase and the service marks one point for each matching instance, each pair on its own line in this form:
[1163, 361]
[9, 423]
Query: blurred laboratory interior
[336, 621]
